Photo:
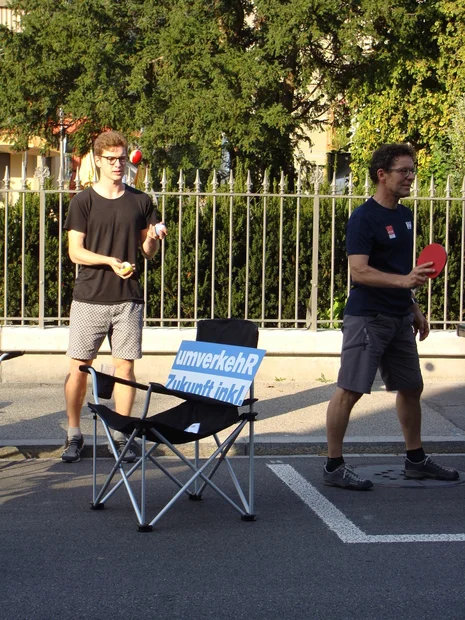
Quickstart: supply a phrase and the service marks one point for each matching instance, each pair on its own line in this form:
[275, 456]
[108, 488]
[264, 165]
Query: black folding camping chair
[171, 428]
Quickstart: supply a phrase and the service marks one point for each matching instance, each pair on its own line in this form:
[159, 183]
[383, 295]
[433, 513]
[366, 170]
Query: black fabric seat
[172, 423]
[170, 428]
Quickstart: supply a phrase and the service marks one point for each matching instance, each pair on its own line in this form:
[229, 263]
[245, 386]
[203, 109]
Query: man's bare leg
[417, 465]
[124, 395]
[336, 472]
[75, 392]
[337, 419]
[409, 413]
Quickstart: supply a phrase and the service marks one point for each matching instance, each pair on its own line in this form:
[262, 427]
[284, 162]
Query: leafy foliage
[412, 95]
[188, 80]
[209, 84]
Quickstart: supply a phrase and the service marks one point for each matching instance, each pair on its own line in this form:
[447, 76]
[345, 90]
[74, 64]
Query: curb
[17, 449]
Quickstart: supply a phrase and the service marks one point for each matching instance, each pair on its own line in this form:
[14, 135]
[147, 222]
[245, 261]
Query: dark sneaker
[73, 449]
[345, 477]
[130, 455]
[429, 469]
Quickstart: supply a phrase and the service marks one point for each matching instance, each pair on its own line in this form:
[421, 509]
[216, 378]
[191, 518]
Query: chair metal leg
[224, 457]
[94, 462]
[143, 526]
[251, 516]
[100, 498]
[199, 473]
[197, 494]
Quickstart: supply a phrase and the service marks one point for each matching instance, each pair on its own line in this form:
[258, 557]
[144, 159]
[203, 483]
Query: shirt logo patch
[390, 232]
[409, 225]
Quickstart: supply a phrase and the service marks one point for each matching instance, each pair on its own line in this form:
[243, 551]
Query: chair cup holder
[105, 386]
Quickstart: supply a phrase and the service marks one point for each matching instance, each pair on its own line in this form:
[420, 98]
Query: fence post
[42, 173]
[6, 182]
[164, 186]
[265, 200]
[230, 241]
[282, 186]
[197, 186]
[297, 248]
[432, 190]
[213, 257]
[446, 270]
[462, 251]
[247, 246]
[315, 253]
[180, 204]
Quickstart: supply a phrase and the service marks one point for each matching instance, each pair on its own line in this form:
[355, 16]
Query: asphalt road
[314, 552]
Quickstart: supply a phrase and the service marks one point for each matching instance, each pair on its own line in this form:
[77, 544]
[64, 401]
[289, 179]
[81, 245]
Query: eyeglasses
[405, 172]
[112, 160]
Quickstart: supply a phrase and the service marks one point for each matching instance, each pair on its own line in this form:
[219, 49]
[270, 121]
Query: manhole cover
[393, 476]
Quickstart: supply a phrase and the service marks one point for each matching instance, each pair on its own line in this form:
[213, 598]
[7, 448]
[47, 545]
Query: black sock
[416, 456]
[332, 464]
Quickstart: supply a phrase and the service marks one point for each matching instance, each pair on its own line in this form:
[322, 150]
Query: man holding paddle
[382, 318]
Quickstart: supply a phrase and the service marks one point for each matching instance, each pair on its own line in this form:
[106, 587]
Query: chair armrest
[10, 355]
[249, 401]
[111, 379]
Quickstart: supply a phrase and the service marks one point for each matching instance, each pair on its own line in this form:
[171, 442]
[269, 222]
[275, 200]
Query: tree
[74, 55]
[456, 135]
[412, 92]
[186, 79]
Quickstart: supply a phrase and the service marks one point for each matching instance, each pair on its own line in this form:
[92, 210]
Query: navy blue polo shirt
[386, 236]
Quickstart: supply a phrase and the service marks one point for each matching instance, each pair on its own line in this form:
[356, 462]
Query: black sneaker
[429, 469]
[345, 477]
[130, 455]
[73, 449]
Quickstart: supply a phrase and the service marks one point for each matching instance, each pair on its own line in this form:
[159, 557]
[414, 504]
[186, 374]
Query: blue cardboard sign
[220, 371]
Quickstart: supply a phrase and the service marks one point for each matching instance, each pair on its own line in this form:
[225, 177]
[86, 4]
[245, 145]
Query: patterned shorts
[91, 323]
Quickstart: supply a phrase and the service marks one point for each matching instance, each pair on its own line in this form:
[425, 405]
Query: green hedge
[276, 220]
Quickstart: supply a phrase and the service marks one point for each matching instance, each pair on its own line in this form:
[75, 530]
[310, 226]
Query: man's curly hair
[384, 157]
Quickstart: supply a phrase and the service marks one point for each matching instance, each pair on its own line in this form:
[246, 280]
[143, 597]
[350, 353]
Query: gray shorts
[384, 342]
[91, 323]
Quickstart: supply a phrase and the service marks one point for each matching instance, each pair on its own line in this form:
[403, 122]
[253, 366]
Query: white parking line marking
[336, 520]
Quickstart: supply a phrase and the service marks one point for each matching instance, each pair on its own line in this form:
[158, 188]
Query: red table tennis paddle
[435, 253]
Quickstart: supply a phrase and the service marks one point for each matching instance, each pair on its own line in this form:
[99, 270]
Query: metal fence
[275, 256]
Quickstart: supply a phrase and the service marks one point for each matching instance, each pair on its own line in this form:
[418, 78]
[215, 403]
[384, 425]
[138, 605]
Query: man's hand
[150, 238]
[420, 324]
[419, 275]
[116, 264]
[157, 231]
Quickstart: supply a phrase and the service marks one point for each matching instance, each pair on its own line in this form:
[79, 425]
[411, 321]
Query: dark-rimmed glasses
[112, 160]
[405, 172]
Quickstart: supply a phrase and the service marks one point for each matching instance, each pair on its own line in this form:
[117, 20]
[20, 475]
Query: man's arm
[81, 256]
[362, 273]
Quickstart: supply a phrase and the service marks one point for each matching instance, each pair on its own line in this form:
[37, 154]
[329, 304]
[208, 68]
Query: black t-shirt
[112, 228]
[386, 236]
